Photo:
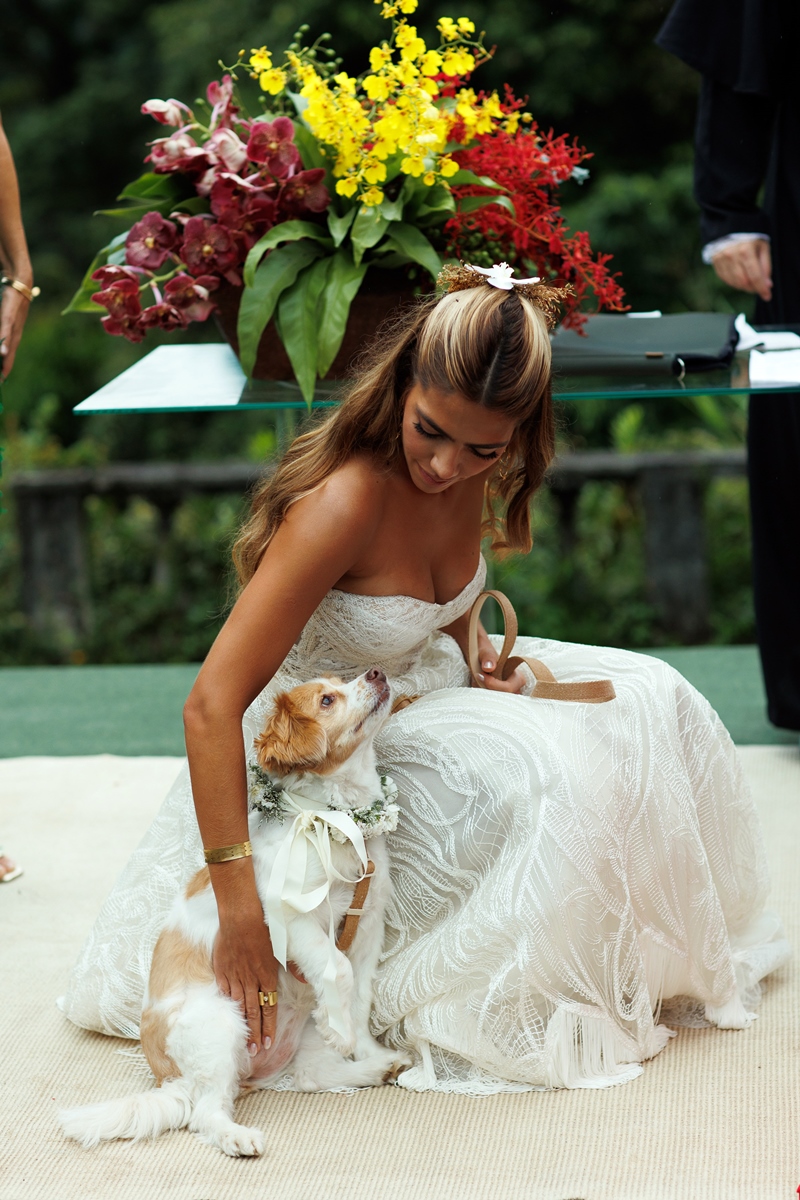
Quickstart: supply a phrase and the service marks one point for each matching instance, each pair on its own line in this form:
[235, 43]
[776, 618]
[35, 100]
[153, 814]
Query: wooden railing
[50, 507]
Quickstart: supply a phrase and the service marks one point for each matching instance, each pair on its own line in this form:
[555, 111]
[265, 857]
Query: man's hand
[746, 266]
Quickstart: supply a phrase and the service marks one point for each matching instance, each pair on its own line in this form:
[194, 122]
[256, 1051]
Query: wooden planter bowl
[381, 293]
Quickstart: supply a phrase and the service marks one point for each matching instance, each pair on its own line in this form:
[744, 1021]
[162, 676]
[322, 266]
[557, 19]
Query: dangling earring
[503, 468]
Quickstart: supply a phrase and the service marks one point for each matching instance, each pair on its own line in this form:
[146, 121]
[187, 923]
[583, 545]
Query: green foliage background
[73, 74]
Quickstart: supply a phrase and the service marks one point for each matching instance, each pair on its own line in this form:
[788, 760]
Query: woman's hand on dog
[244, 965]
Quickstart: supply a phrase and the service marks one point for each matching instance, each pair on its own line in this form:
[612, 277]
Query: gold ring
[269, 998]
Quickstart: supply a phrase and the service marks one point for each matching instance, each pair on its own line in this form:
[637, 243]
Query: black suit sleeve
[732, 149]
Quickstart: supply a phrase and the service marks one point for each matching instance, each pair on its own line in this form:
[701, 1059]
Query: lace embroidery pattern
[563, 872]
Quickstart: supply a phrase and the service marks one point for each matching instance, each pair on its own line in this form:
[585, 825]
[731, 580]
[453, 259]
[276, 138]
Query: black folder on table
[676, 343]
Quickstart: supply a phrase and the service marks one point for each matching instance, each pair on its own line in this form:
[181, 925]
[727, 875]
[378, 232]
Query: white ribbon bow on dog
[310, 828]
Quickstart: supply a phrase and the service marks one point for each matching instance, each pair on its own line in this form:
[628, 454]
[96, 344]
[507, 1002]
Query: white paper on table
[777, 339]
[775, 368]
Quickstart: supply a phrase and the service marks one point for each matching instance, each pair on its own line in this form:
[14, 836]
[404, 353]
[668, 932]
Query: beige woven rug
[714, 1117]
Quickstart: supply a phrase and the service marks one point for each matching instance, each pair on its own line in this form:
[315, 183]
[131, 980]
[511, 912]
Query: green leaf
[392, 210]
[151, 186]
[462, 178]
[298, 318]
[343, 283]
[368, 229]
[82, 300]
[340, 225]
[287, 231]
[468, 204]
[276, 273]
[309, 147]
[135, 212]
[411, 242]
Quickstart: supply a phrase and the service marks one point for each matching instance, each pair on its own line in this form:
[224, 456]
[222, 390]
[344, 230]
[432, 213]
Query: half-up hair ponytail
[488, 345]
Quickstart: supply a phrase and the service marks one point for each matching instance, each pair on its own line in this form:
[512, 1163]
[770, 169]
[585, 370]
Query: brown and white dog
[318, 746]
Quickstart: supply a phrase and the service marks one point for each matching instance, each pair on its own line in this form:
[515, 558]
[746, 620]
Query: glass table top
[208, 378]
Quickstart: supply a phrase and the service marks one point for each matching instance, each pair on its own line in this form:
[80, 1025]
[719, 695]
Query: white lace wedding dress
[563, 872]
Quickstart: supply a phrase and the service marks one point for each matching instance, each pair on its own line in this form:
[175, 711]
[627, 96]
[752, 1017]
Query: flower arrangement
[393, 169]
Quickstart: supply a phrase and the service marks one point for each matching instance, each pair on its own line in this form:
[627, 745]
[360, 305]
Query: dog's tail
[135, 1117]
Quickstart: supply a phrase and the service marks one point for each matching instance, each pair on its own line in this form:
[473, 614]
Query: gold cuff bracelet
[227, 853]
[30, 293]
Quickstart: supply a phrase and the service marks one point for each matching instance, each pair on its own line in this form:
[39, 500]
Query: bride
[566, 875]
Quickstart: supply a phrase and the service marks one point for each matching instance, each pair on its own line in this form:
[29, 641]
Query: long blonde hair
[488, 345]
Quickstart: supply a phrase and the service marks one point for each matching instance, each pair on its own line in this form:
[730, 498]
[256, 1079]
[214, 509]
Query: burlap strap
[592, 691]
[353, 914]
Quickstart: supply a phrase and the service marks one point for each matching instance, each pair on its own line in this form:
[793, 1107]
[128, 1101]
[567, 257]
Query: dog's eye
[327, 701]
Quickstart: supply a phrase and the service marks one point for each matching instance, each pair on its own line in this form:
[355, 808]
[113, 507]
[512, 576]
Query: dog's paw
[241, 1142]
[398, 1063]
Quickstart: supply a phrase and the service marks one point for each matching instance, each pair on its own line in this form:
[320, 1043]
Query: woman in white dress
[565, 874]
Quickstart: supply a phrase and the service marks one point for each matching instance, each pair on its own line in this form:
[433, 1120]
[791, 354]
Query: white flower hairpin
[549, 298]
[501, 276]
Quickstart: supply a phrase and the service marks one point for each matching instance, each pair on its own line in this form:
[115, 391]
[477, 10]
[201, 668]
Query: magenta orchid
[150, 242]
[209, 247]
[304, 192]
[120, 297]
[162, 316]
[272, 143]
[191, 296]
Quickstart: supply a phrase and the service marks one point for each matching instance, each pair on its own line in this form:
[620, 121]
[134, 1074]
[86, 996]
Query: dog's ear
[291, 740]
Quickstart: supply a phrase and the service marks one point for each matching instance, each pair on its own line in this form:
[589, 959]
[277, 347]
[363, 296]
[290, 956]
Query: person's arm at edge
[14, 258]
[732, 147]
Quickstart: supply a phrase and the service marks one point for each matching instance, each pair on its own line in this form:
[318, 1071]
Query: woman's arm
[321, 538]
[14, 259]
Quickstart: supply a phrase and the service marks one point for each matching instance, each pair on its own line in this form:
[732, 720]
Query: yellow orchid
[272, 81]
[394, 107]
[260, 60]
[372, 196]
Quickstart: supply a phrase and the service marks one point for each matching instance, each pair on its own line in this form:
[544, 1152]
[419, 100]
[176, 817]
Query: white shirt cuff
[730, 239]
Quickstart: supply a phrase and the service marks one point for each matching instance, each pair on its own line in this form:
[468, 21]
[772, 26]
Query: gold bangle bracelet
[227, 853]
[30, 293]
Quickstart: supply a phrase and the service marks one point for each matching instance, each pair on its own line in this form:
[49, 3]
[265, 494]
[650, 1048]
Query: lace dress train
[569, 879]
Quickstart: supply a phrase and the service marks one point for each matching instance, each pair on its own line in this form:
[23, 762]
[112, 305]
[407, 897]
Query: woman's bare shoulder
[350, 501]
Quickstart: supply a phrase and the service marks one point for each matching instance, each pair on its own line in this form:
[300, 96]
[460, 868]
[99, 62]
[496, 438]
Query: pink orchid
[112, 274]
[228, 148]
[243, 206]
[167, 112]
[209, 247]
[304, 192]
[121, 298]
[163, 316]
[206, 182]
[178, 153]
[150, 241]
[191, 296]
[220, 95]
[272, 143]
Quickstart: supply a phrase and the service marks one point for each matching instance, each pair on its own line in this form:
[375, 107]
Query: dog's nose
[375, 676]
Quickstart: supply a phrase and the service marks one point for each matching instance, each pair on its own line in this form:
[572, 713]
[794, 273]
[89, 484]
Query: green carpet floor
[137, 709]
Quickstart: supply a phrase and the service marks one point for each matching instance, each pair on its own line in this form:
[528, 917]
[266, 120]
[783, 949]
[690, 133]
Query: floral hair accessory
[548, 297]
[500, 275]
